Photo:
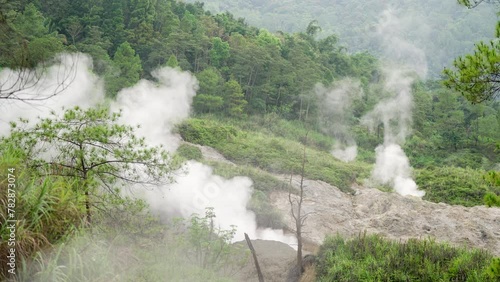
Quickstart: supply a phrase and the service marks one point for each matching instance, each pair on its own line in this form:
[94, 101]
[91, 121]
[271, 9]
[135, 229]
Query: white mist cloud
[392, 167]
[346, 154]
[71, 79]
[406, 62]
[200, 188]
[158, 106]
[335, 103]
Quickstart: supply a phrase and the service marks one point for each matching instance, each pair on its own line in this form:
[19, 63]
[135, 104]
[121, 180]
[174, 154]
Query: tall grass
[100, 256]
[454, 185]
[373, 258]
[46, 210]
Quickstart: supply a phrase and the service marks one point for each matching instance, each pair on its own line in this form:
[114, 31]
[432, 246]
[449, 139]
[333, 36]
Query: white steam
[71, 80]
[200, 188]
[156, 107]
[335, 103]
[392, 166]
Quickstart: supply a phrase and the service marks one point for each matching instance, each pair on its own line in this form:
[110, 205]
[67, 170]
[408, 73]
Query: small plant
[190, 152]
[492, 200]
[210, 247]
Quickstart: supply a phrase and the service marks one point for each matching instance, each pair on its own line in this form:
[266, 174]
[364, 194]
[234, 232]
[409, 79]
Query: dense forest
[442, 29]
[261, 102]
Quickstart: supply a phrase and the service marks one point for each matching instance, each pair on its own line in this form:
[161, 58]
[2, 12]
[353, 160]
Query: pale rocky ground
[373, 211]
[392, 215]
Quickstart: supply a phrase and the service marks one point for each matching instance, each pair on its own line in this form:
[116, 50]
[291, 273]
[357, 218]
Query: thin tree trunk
[88, 219]
[250, 246]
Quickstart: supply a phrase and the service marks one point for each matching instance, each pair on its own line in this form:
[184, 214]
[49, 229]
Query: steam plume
[71, 79]
[405, 62]
[335, 103]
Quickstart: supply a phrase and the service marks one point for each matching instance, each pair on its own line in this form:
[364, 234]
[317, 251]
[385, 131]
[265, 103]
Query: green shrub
[47, 209]
[189, 152]
[453, 185]
[373, 258]
[494, 269]
[491, 200]
[205, 132]
[272, 153]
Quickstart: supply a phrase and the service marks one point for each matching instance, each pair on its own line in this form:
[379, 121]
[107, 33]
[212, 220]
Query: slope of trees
[442, 29]
[129, 39]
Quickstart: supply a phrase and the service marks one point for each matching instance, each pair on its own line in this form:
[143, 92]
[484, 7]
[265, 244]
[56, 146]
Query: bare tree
[296, 208]
[474, 3]
[45, 81]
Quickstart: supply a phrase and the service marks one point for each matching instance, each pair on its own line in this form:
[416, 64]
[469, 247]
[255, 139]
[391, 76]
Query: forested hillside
[271, 102]
[442, 29]
[242, 70]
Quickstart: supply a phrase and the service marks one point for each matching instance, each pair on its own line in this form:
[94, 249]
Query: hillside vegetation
[442, 29]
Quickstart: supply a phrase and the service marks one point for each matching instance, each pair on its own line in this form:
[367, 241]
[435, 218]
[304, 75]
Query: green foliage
[117, 252]
[172, 61]
[210, 244]
[206, 132]
[219, 52]
[475, 74]
[91, 148]
[271, 153]
[203, 103]
[234, 101]
[128, 69]
[189, 152]
[457, 186]
[352, 22]
[492, 200]
[373, 258]
[47, 209]
[494, 269]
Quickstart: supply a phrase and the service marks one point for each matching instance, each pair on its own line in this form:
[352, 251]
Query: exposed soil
[372, 211]
[392, 215]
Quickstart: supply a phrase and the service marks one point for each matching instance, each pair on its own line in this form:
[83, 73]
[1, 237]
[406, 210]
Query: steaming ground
[200, 188]
[157, 107]
[404, 62]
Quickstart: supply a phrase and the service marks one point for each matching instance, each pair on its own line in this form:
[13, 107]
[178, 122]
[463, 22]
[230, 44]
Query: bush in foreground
[373, 258]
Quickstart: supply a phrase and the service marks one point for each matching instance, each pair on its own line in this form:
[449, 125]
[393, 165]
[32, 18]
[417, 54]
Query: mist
[156, 107]
[71, 79]
[335, 104]
[405, 63]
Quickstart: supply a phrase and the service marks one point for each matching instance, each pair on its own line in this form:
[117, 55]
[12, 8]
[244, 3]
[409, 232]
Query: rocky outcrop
[392, 215]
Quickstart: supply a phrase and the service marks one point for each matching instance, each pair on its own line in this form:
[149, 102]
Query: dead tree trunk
[297, 215]
[250, 246]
